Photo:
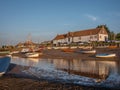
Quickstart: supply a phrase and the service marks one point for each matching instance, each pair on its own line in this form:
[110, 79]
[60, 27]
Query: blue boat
[4, 64]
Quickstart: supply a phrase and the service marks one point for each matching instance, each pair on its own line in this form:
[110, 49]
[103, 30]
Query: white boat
[14, 52]
[105, 55]
[32, 55]
[88, 51]
[4, 52]
[25, 50]
[4, 64]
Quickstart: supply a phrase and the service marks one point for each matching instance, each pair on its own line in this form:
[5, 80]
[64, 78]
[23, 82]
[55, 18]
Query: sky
[42, 20]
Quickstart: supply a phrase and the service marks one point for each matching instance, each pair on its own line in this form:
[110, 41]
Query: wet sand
[16, 79]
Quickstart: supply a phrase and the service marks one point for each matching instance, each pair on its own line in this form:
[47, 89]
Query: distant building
[46, 43]
[96, 34]
[26, 44]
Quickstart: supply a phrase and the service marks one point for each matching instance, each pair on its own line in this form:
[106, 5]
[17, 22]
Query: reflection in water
[94, 69]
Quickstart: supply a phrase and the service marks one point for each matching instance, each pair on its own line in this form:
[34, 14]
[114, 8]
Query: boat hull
[105, 55]
[32, 55]
[68, 50]
[4, 64]
[88, 51]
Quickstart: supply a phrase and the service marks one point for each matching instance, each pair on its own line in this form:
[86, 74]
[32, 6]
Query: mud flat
[77, 55]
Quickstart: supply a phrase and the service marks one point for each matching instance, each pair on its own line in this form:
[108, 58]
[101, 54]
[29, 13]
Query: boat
[4, 52]
[32, 55]
[112, 47]
[105, 55]
[4, 64]
[25, 50]
[14, 52]
[68, 50]
[88, 51]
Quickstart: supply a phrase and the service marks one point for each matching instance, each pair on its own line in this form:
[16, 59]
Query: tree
[117, 36]
[105, 26]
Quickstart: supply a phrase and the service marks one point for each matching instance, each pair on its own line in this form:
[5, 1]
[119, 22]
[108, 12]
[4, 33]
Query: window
[95, 36]
[91, 37]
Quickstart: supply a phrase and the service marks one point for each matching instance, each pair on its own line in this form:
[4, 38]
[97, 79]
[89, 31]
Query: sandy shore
[15, 79]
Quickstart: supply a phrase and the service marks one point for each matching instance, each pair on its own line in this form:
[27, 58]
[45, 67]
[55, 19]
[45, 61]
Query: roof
[62, 36]
[87, 32]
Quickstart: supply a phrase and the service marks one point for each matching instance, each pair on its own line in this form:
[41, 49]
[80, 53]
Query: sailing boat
[31, 53]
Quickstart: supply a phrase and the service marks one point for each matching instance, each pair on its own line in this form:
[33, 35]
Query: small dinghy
[105, 55]
[4, 64]
[88, 51]
[32, 55]
[68, 50]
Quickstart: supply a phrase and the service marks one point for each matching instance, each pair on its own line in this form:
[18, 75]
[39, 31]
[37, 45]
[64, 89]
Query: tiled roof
[62, 36]
[87, 32]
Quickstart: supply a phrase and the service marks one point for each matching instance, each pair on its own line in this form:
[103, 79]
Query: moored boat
[25, 50]
[105, 55]
[88, 51]
[32, 55]
[4, 64]
[68, 50]
[4, 52]
[14, 52]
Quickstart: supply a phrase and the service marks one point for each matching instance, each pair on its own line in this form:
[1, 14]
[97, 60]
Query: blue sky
[44, 19]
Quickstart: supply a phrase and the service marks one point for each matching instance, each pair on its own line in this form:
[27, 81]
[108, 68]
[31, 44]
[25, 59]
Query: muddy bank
[77, 55]
[60, 54]
[14, 82]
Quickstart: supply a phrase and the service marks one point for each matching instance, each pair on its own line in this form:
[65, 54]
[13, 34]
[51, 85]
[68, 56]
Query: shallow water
[78, 71]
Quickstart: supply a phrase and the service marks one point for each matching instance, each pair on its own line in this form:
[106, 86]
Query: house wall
[86, 38]
[59, 41]
[76, 39]
[69, 40]
[102, 37]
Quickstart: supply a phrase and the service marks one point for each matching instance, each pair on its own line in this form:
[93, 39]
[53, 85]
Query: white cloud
[93, 18]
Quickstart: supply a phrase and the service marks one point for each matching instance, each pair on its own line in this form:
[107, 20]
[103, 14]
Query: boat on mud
[4, 52]
[32, 55]
[68, 50]
[88, 51]
[4, 64]
[105, 55]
